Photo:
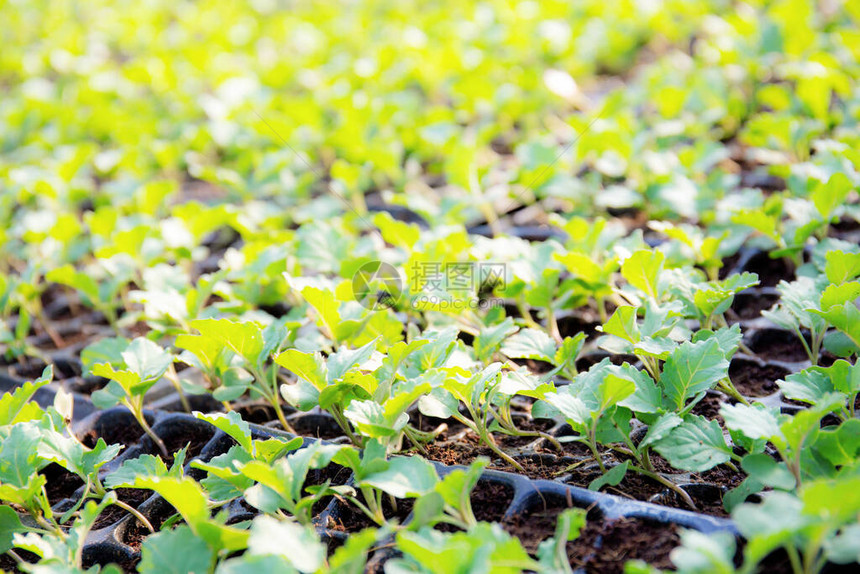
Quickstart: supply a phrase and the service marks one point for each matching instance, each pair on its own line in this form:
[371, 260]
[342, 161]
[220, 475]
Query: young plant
[752, 425]
[374, 476]
[280, 485]
[517, 381]
[58, 551]
[364, 404]
[600, 403]
[450, 500]
[235, 357]
[192, 505]
[225, 480]
[815, 526]
[535, 344]
[552, 552]
[32, 439]
[21, 483]
[476, 392]
[817, 386]
[705, 250]
[798, 309]
[656, 339]
[484, 548]
[60, 445]
[708, 301]
[142, 364]
[101, 295]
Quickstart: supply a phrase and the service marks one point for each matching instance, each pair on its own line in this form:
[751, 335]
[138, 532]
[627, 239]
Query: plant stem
[484, 205]
[729, 388]
[136, 513]
[503, 416]
[487, 438]
[667, 483]
[592, 444]
[343, 423]
[414, 439]
[794, 557]
[553, 324]
[137, 411]
[174, 380]
[526, 315]
[281, 418]
[601, 308]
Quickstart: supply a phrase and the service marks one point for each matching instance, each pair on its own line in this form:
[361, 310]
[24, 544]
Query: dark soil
[575, 449]
[662, 465]
[195, 437]
[748, 306]
[845, 226]
[462, 451]
[336, 474]
[533, 526]
[754, 380]
[605, 546]
[29, 369]
[729, 264]
[136, 534]
[633, 486]
[430, 424]
[710, 503]
[8, 564]
[134, 497]
[535, 366]
[490, 500]
[709, 406]
[546, 467]
[127, 433]
[573, 324]
[778, 345]
[465, 450]
[256, 413]
[60, 483]
[317, 426]
[770, 271]
[351, 519]
[722, 476]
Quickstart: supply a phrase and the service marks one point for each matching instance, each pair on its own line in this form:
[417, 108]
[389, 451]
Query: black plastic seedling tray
[119, 540]
[117, 536]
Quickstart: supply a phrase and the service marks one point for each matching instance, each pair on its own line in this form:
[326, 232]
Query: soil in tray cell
[336, 474]
[754, 380]
[60, 483]
[605, 546]
[748, 306]
[770, 271]
[8, 564]
[467, 449]
[778, 345]
[351, 519]
[317, 427]
[490, 502]
[634, 486]
[195, 440]
[709, 407]
[112, 514]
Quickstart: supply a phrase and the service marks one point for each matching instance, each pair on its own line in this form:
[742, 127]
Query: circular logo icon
[377, 285]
